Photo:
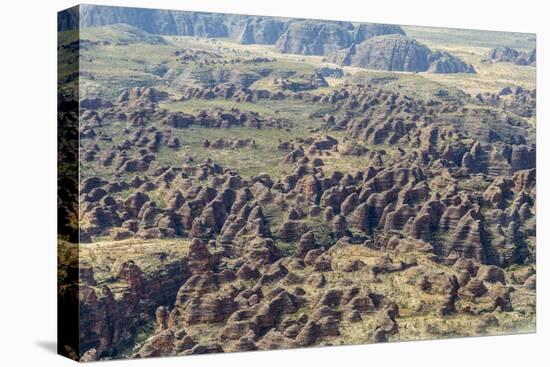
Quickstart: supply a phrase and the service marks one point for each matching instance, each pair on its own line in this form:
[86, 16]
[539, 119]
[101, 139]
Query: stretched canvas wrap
[238, 183]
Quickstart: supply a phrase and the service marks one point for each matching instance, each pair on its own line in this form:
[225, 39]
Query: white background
[28, 182]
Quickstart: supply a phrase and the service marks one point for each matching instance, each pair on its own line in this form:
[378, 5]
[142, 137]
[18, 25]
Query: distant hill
[399, 53]
[323, 38]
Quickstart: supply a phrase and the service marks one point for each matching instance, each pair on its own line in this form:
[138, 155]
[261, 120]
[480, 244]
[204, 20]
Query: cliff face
[156, 21]
[315, 38]
[368, 30]
[117, 300]
[324, 38]
[399, 53]
[261, 30]
[393, 52]
[296, 36]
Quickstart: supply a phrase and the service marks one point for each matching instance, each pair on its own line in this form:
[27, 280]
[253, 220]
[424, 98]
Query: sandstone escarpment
[399, 53]
[316, 38]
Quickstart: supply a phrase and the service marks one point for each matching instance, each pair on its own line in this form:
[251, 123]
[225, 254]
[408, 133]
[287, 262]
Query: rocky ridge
[399, 53]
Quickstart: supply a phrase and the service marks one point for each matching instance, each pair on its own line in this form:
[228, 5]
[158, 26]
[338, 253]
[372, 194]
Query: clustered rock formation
[520, 101]
[238, 280]
[382, 217]
[508, 54]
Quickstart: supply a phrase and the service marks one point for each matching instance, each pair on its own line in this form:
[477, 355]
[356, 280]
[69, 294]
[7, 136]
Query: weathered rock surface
[508, 54]
[399, 53]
